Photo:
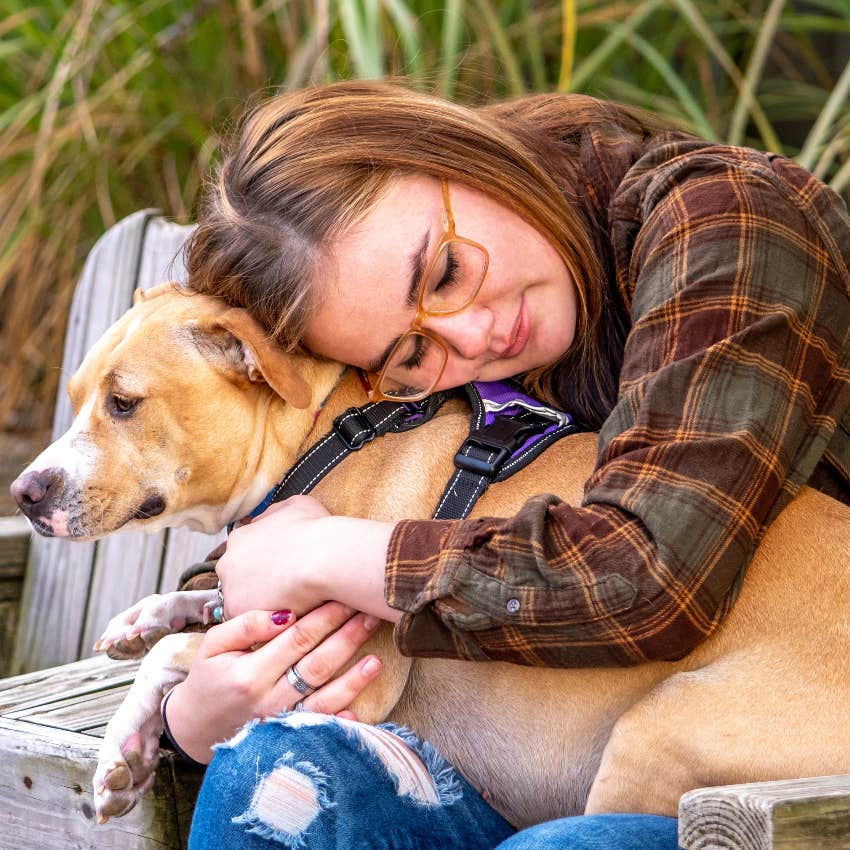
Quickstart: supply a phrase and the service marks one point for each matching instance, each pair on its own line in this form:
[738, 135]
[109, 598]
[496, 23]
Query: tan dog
[765, 697]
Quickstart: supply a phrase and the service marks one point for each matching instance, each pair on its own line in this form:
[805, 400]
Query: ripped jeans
[315, 782]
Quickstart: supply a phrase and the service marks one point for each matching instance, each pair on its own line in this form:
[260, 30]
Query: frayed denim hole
[300, 776]
[446, 783]
[446, 778]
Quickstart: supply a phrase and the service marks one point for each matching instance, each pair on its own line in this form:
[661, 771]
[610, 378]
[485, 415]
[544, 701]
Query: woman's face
[523, 317]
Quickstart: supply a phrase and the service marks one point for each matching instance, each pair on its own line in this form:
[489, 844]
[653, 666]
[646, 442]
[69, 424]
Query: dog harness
[507, 430]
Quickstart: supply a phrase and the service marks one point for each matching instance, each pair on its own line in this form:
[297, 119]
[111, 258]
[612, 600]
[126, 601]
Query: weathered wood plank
[14, 549]
[45, 787]
[184, 549]
[9, 613]
[93, 675]
[14, 546]
[799, 814]
[126, 569]
[79, 713]
[46, 796]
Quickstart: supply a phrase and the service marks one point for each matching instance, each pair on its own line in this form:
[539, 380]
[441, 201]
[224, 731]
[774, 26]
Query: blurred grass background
[107, 107]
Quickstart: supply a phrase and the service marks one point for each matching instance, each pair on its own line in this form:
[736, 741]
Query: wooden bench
[50, 720]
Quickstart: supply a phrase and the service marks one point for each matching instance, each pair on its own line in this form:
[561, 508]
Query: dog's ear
[244, 344]
[146, 294]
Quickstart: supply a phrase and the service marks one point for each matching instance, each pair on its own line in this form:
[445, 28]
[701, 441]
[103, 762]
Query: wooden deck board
[50, 725]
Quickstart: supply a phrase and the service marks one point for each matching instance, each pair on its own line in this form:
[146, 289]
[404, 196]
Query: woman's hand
[296, 555]
[229, 684]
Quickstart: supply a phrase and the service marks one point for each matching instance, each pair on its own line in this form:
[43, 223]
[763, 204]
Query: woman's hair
[305, 166]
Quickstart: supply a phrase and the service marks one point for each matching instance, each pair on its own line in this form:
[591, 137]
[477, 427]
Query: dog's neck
[284, 433]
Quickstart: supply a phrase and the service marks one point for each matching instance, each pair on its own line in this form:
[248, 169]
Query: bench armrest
[14, 546]
[14, 550]
[803, 814]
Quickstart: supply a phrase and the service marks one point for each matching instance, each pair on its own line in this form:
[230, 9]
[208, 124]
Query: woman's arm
[296, 555]
[735, 372]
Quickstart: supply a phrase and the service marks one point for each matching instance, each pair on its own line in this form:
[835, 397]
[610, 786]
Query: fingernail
[371, 623]
[279, 618]
[371, 666]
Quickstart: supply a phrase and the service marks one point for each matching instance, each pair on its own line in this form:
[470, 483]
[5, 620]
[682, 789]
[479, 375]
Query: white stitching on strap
[328, 465]
[478, 487]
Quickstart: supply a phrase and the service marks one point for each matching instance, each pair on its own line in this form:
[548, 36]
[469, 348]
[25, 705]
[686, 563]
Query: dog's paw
[124, 774]
[132, 633]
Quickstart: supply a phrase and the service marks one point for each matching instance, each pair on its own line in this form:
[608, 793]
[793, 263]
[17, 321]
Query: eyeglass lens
[452, 283]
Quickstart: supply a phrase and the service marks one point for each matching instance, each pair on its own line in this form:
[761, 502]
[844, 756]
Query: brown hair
[305, 166]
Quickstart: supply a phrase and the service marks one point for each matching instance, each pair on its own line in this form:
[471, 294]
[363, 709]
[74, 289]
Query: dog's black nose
[31, 489]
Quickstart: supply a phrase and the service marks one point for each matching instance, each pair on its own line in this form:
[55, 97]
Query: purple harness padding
[500, 394]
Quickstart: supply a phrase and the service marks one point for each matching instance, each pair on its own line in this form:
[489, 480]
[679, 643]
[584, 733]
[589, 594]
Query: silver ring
[299, 706]
[294, 679]
[218, 611]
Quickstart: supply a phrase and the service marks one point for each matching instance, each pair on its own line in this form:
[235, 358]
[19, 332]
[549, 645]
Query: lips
[520, 333]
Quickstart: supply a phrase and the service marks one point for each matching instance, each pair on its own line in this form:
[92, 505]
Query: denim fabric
[598, 832]
[309, 782]
[323, 787]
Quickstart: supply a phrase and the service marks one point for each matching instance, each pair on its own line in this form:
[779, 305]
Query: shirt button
[512, 606]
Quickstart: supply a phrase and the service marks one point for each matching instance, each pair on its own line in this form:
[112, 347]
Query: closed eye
[450, 273]
[415, 359]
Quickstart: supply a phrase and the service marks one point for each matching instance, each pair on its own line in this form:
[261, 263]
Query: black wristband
[174, 745]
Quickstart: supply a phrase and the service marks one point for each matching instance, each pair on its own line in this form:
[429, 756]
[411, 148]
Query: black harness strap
[351, 430]
[491, 452]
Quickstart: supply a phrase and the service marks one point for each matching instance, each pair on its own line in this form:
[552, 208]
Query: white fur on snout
[74, 453]
[74, 457]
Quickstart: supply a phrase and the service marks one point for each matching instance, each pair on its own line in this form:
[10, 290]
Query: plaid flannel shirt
[734, 387]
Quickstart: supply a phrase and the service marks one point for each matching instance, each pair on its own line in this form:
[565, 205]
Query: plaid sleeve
[736, 371]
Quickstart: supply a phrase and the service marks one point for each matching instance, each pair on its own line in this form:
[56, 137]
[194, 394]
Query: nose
[467, 332]
[31, 490]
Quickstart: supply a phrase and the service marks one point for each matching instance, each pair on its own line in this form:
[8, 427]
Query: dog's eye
[121, 404]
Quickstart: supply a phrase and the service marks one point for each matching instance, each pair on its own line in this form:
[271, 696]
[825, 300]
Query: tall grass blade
[586, 69]
[749, 84]
[452, 26]
[699, 120]
[702, 29]
[841, 179]
[366, 64]
[408, 33]
[568, 44]
[820, 130]
[534, 45]
[516, 84]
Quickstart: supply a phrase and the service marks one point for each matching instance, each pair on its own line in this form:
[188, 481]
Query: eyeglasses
[450, 283]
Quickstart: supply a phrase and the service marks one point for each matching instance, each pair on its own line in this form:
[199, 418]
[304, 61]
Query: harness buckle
[354, 429]
[500, 440]
[482, 466]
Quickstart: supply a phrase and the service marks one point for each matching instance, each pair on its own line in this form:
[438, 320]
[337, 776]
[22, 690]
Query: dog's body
[764, 698]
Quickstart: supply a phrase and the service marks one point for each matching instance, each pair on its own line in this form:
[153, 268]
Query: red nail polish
[279, 618]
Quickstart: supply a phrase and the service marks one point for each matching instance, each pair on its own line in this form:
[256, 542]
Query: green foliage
[110, 106]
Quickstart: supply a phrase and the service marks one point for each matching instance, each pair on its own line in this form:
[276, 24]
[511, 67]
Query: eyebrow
[417, 269]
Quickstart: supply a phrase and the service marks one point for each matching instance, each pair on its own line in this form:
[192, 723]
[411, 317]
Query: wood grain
[799, 814]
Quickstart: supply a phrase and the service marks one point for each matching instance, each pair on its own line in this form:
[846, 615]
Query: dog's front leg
[129, 753]
[133, 632]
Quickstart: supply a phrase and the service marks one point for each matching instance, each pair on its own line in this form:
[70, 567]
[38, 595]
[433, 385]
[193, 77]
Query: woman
[688, 300]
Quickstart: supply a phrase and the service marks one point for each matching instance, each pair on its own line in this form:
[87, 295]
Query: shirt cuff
[425, 561]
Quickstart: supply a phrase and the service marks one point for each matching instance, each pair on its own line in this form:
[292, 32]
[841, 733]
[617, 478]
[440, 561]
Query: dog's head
[171, 422]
